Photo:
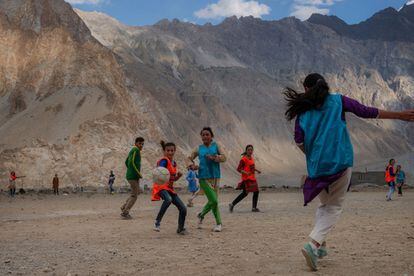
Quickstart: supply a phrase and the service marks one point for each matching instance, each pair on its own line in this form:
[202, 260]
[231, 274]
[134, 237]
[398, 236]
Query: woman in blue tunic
[321, 133]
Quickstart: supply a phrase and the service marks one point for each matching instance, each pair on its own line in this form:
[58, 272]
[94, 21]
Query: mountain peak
[330, 21]
[39, 15]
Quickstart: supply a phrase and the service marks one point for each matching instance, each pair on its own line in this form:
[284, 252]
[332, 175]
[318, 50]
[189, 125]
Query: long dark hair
[164, 145]
[298, 103]
[245, 150]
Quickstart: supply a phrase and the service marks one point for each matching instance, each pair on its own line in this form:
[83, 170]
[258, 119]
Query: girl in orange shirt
[166, 191]
[248, 184]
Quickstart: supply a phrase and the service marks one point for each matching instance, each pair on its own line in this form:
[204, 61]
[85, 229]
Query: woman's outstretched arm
[406, 115]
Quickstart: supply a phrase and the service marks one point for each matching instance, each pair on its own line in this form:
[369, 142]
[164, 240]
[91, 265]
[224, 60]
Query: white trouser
[330, 208]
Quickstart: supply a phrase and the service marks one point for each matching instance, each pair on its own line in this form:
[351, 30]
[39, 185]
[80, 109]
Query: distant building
[376, 178]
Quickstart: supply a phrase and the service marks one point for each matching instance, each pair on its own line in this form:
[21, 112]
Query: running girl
[321, 133]
[192, 185]
[166, 191]
[248, 184]
[210, 155]
[390, 179]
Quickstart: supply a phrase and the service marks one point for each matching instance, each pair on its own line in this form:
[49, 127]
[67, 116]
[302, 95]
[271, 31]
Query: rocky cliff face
[72, 99]
[64, 97]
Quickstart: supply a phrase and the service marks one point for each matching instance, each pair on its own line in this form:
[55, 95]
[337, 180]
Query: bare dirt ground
[83, 235]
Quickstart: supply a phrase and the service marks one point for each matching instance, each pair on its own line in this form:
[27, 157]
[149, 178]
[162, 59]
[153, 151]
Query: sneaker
[190, 203]
[157, 228]
[322, 251]
[255, 210]
[200, 220]
[231, 207]
[311, 256]
[126, 216]
[182, 231]
[217, 228]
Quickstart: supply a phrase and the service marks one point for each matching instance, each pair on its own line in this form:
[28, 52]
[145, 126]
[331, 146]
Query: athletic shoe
[190, 203]
[217, 228]
[156, 228]
[322, 251]
[311, 256]
[182, 231]
[200, 221]
[256, 210]
[126, 216]
[231, 207]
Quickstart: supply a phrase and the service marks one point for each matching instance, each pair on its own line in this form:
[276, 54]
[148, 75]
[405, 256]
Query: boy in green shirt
[133, 175]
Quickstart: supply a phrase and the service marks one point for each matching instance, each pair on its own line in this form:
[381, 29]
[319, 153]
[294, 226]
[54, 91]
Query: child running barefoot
[166, 191]
[390, 179]
[210, 155]
[248, 184]
[321, 133]
[192, 185]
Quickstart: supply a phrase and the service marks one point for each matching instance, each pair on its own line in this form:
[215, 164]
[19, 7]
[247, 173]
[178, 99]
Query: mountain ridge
[380, 26]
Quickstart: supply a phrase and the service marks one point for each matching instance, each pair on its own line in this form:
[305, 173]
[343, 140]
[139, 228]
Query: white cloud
[225, 8]
[303, 9]
[90, 2]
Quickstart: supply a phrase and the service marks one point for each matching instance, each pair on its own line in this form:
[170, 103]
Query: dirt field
[83, 235]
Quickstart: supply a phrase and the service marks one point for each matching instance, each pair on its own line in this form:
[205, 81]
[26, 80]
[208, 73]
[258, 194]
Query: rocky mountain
[63, 97]
[76, 87]
[387, 25]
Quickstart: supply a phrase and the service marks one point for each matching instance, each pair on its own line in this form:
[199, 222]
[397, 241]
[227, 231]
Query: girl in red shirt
[248, 184]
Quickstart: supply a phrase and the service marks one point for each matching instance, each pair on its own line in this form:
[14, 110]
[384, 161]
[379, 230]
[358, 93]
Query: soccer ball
[160, 175]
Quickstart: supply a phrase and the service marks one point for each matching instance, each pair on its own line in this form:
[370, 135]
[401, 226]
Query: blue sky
[144, 12]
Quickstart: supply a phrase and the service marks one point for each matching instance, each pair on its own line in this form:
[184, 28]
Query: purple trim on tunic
[360, 110]
[313, 187]
[299, 134]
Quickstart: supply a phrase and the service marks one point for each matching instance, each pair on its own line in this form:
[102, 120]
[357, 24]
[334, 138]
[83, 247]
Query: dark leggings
[169, 198]
[243, 194]
[400, 188]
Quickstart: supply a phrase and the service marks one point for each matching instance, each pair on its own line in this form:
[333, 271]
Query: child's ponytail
[314, 97]
[164, 145]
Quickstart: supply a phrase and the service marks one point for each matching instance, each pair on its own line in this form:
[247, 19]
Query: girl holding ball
[166, 191]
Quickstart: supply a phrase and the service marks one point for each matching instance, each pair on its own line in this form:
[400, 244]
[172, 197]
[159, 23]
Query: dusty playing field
[83, 234]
